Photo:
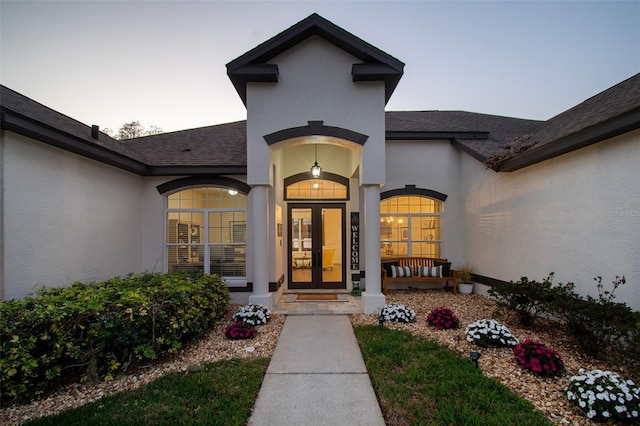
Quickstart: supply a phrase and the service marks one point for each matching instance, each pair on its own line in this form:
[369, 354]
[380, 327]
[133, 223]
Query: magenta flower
[239, 330]
[443, 319]
[536, 357]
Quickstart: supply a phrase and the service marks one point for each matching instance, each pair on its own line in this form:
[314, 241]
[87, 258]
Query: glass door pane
[316, 246]
[332, 231]
[301, 247]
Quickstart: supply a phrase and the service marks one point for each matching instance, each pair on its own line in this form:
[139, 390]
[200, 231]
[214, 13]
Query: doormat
[311, 296]
[315, 297]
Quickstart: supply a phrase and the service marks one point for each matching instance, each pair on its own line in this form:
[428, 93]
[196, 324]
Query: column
[372, 299]
[260, 244]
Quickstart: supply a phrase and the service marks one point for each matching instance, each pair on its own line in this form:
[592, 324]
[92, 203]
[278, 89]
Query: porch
[344, 304]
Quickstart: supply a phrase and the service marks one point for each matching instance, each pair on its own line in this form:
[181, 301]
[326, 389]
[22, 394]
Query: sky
[163, 62]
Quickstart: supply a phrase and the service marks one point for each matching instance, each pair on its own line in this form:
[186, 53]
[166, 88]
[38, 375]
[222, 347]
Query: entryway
[316, 256]
[344, 304]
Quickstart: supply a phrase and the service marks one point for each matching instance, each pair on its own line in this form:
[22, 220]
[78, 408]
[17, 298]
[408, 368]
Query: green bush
[595, 324]
[530, 299]
[97, 329]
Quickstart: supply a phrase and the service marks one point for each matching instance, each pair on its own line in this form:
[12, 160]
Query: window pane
[410, 225]
[224, 236]
[316, 189]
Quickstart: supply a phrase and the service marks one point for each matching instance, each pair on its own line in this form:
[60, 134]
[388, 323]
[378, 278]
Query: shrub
[97, 329]
[594, 324]
[603, 395]
[488, 332]
[397, 312]
[598, 324]
[443, 319]
[536, 357]
[253, 314]
[239, 330]
[529, 299]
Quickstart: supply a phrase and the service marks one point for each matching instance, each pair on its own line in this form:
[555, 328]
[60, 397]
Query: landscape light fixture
[316, 169]
[475, 356]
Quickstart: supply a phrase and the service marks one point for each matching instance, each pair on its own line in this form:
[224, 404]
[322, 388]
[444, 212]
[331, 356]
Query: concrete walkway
[316, 377]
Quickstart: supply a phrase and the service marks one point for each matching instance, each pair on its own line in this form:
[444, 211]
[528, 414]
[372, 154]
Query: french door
[316, 246]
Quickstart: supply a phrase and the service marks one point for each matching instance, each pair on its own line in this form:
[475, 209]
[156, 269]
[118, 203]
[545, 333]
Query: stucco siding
[433, 165]
[67, 218]
[577, 215]
[315, 84]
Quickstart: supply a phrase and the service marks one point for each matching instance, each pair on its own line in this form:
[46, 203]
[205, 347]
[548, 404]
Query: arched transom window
[206, 231]
[410, 225]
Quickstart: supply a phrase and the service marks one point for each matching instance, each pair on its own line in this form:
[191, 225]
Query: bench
[416, 271]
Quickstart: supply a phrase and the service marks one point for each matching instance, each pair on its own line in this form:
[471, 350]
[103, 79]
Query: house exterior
[510, 197]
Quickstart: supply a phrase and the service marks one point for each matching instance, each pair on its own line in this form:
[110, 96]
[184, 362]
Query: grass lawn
[222, 393]
[419, 382]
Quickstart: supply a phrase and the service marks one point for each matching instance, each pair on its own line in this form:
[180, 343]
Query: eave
[16, 123]
[613, 127]
[21, 125]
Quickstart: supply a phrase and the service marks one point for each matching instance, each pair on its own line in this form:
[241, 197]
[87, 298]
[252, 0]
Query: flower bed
[443, 318]
[536, 357]
[396, 312]
[489, 332]
[604, 395]
[548, 394]
[253, 314]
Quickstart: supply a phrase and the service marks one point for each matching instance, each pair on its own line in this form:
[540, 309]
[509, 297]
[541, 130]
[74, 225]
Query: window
[410, 225]
[206, 231]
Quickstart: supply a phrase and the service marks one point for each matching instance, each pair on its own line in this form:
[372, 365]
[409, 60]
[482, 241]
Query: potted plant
[465, 285]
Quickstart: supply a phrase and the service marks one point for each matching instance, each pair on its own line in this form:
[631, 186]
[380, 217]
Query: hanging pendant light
[316, 169]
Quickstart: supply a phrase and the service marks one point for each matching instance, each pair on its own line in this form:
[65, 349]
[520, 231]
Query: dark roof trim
[411, 136]
[316, 25]
[254, 73]
[220, 181]
[377, 72]
[614, 127]
[19, 124]
[316, 128]
[412, 190]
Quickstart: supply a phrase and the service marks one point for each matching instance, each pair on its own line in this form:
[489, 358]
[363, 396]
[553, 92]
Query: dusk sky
[163, 62]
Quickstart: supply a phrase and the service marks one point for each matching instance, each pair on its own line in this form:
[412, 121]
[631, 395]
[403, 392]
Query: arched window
[303, 186]
[410, 225]
[206, 231]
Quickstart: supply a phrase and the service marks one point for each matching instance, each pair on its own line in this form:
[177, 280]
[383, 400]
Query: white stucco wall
[577, 215]
[433, 165]
[315, 84]
[153, 224]
[66, 218]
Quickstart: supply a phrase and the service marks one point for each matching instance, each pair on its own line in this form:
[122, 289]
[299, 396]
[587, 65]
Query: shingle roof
[501, 130]
[622, 98]
[222, 145]
[28, 109]
[222, 148]
[608, 114]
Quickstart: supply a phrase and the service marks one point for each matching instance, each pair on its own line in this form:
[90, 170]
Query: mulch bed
[546, 394]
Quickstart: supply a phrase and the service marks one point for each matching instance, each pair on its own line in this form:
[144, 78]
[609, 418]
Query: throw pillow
[387, 266]
[446, 267]
[400, 271]
[431, 271]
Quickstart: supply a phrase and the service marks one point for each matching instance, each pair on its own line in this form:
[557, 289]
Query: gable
[373, 65]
